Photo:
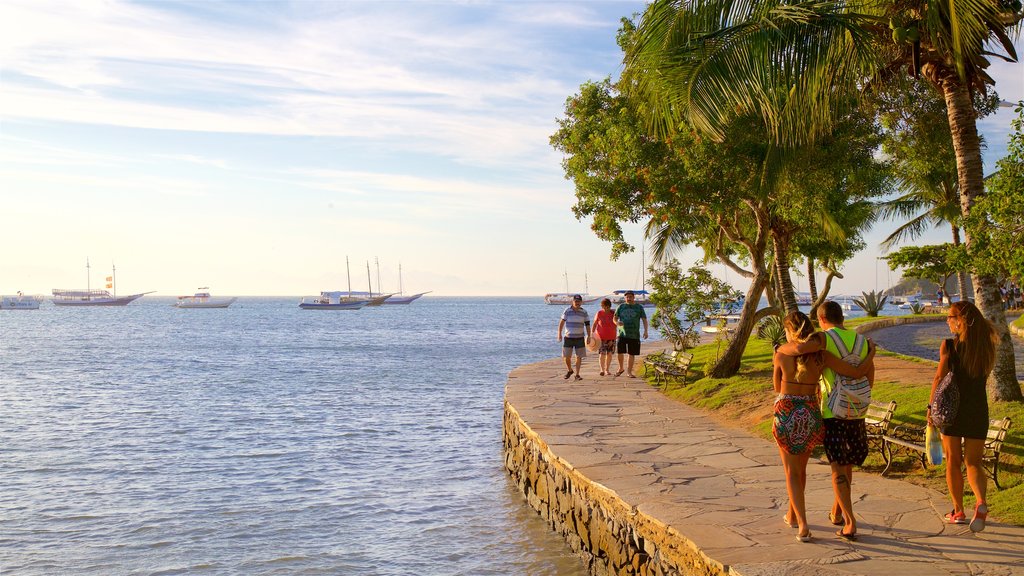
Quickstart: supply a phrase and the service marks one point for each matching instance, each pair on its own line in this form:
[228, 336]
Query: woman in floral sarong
[798, 426]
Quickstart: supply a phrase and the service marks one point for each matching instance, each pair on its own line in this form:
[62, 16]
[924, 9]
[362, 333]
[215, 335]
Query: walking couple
[807, 413]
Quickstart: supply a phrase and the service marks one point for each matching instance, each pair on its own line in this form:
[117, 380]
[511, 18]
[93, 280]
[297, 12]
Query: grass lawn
[745, 400]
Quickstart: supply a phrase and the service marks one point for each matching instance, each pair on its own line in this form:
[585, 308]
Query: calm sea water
[265, 439]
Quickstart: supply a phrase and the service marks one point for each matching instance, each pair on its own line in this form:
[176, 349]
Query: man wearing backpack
[846, 440]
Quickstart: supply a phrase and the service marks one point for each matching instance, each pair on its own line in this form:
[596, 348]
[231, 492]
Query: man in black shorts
[628, 317]
[846, 440]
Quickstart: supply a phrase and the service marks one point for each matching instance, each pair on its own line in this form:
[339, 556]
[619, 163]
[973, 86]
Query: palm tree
[927, 205]
[799, 66]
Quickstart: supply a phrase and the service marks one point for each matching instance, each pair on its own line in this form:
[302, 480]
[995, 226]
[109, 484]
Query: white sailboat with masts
[97, 297]
[401, 298]
[335, 300]
[565, 298]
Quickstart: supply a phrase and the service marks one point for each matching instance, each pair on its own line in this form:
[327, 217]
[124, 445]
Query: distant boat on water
[642, 297]
[565, 298]
[94, 297]
[203, 299]
[20, 302]
[400, 297]
[333, 301]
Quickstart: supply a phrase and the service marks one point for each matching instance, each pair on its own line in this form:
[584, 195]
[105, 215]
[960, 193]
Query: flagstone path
[723, 489]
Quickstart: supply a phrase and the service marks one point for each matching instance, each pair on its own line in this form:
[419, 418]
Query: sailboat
[90, 297]
[400, 298]
[565, 298]
[335, 300]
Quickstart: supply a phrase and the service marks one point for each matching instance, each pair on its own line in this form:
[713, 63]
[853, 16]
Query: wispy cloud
[472, 91]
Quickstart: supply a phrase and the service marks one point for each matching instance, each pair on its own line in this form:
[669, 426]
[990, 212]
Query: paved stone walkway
[724, 490]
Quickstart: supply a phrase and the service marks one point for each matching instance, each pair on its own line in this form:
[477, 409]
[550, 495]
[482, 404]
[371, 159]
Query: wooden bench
[676, 369]
[878, 421]
[911, 441]
[997, 431]
[658, 358]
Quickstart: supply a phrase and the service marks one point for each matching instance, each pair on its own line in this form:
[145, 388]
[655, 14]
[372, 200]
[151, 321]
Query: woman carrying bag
[970, 355]
[605, 329]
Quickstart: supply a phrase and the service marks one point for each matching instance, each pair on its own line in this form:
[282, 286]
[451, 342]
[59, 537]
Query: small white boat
[20, 302]
[202, 299]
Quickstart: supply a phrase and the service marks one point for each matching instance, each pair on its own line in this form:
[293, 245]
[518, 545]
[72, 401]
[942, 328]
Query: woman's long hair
[800, 325]
[976, 339]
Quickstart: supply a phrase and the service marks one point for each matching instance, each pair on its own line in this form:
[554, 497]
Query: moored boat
[333, 301]
[400, 297]
[565, 298]
[95, 297]
[642, 297]
[203, 299]
[20, 302]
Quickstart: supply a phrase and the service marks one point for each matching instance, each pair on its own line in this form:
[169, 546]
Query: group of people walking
[618, 331]
[823, 381]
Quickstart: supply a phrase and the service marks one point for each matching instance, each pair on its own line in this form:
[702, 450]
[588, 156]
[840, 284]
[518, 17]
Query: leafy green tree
[684, 301]
[713, 194]
[918, 141]
[935, 262]
[999, 221]
[797, 65]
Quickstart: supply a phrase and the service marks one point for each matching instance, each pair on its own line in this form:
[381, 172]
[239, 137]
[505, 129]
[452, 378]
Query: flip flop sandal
[578, 377]
[852, 537]
[836, 519]
[805, 538]
[567, 374]
[619, 373]
[788, 523]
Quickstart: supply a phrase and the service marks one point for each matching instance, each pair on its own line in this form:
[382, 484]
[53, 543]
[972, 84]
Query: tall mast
[369, 284]
[586, 284]
[348, 273]
[113, 274]
[566, 274]
[376, 263]
[88, 281]
[401, 292]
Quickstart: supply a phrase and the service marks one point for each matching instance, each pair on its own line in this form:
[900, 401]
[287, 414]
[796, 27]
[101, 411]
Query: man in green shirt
[846, 440]
[628, 317]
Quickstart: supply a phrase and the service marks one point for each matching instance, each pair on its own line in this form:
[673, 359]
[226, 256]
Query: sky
[253, 147]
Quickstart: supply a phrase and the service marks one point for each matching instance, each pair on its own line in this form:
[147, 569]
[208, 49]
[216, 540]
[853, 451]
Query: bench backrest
[683, 359]
[879, 415]
[997, 430]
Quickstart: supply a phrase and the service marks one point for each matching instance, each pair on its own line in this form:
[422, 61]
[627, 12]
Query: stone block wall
[610, 536]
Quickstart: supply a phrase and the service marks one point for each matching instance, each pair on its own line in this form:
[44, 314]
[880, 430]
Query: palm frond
[791, 57]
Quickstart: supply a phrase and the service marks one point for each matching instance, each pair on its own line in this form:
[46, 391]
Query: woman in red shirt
[605, 329]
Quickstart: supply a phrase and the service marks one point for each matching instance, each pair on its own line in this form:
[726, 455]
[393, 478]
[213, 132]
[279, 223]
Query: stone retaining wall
[896, 321]
[612, 537]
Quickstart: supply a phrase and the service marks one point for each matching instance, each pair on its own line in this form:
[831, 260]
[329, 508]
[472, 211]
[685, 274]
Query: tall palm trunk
[780, 244]
[729, 364]
[812, 284]
[961, 275]
[1002, 384]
